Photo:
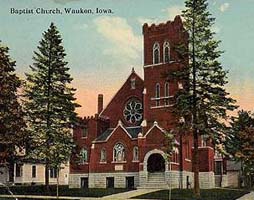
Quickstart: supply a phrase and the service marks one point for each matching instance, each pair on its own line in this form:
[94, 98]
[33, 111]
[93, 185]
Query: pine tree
[49, 103]
[12, 125]
[240, 144]
[203, 101]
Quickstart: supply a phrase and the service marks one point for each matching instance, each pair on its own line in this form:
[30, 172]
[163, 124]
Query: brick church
[124, 144]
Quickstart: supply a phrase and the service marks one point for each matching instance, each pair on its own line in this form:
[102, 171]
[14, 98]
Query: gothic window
[133, 83]
[166, 87]
[133, 111]
[175, 157]
[103, 156]
[157, 94]
[166, 52]
[156, 53]
[119, 153]
[135, 153]
[83, 156]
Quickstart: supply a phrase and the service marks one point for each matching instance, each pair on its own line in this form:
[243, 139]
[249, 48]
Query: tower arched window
[83, 156]
[157, 94]
[119, 153]
[135, 153]
[166, 52]
[166, 93]
[103, 156]
[175, 157]
[156, 53]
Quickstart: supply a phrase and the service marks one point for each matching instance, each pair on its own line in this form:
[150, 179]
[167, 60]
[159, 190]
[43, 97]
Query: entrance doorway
[156, 163]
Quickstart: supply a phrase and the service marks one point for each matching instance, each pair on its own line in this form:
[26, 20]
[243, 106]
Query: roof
[104, 135]
[133, 132]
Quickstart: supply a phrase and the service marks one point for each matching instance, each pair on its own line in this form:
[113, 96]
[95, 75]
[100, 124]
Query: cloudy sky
[102, 48]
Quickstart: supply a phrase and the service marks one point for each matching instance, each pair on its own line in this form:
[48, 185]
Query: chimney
[100, 103]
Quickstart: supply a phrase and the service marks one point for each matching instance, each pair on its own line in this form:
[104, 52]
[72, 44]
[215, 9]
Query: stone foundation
[75, 180]
[98, 180]
[206, 180]
[174, 179]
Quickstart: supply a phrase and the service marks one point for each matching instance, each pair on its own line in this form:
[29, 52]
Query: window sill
[159, 98]
[135, 161]
[85, 163]
[102, 162]
[119, 162]
[164, 106]
[161, 63]
[174, 163]
[188, 160]
[84, 137]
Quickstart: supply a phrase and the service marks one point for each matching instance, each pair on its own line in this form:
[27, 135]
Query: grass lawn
[63, 191]
[209, 194]
[4, 198]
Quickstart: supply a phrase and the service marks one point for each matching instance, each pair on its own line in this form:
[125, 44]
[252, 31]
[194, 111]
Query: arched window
[157, 94]
[119, 153]
[166, 92]
[175, 155]
[135, 153]
[83, 156]
[166, 52]
[103, 156]
[156, 53]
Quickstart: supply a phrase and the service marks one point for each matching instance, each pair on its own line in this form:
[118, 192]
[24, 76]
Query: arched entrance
[156, 163]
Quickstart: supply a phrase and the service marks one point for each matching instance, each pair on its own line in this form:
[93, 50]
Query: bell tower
[160, 58]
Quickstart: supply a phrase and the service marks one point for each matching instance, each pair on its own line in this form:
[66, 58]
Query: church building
[124, 144]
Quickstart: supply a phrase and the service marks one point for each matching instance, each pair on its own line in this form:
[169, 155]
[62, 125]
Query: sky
[102, 48]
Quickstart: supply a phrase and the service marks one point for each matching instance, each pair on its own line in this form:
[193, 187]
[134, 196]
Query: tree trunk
[195, 164]
[195, 156]
[181, 162]
[57, 183]
[11, 171]
[47, 175]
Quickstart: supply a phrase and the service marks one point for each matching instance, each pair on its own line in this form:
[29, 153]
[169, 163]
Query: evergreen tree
[240, 144]
[12, 124]
[203, 101]
[49, 103]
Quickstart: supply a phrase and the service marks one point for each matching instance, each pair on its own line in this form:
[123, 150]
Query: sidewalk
[249, 196]
[119, 196]
[129, 194]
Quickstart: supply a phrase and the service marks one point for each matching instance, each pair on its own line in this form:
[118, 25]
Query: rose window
[133, 111]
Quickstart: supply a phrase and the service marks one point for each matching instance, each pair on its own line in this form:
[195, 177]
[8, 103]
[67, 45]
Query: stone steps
[155, 181]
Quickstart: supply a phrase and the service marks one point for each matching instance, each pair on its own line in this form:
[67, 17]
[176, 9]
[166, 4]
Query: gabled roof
[132, 132]
[104, 135]
[133, 73]
[155, 125]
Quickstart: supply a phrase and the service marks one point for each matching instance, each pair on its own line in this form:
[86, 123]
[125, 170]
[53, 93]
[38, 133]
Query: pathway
[118, 196]
[249, 196]
[129, 194]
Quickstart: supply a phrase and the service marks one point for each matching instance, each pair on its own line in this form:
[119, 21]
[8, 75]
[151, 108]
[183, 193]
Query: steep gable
[114, 110]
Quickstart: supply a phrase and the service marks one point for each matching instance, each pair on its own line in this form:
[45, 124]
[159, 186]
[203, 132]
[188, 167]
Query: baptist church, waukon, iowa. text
[60, 11]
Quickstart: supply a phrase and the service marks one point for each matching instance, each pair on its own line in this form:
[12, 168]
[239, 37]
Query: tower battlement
[163, 27]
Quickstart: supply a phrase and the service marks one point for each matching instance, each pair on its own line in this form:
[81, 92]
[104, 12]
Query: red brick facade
[120, 122]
